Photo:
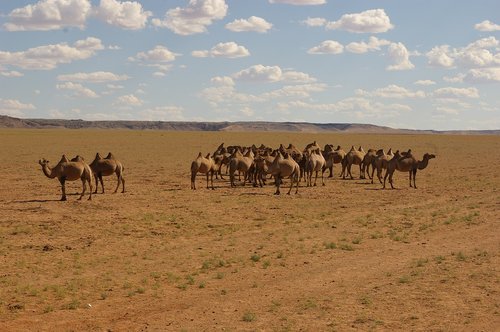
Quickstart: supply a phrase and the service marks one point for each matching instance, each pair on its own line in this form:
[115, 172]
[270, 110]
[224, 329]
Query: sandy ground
[347, 256]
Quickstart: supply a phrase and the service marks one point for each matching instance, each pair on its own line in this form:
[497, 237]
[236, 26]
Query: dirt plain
[346, 256]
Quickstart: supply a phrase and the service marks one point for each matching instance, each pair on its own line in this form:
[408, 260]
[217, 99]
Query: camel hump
[200, 155]
[98, 156]
[208, 155]
[110, 156]
[64, 159]
[360, 149]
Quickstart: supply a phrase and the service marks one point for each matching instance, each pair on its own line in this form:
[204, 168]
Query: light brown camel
[283, 167]
[315, 163]
[262, 164]
[67, 170]
[106, 167]
[406, 162]
[203, 165]
[353, 157]
[422, 164]
[332, 157]
[380, 162]
[241, 163]
[367, 162]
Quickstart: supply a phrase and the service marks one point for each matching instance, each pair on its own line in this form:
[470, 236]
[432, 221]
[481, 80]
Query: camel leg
[102, 183]
[118, 178]
[193, 180]
[368, 172]
[322, 179]
[385, 177]
[296, 183]
[361, 171]
[123, 184]
[84, 189]
[349, 171]
[207, 174]
[212, 179]
[390, 179]
[277, 181]
[414, 176]
[315, 178]
[291, 184]
[96, 183]
[63, 188]
[409, 175]
[331, 172]
[90, 186]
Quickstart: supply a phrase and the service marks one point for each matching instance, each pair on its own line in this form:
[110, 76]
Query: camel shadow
[37, 201]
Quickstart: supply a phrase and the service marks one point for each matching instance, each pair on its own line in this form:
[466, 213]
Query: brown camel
[353, 157]
[205, 165]
[380, 162]
[367, 162]
[332, 157]
[422, 164]
[283, 167]
[106, 167]
[67, 170]
[406, 162]
[315, 163]
[241, 163]
[262, 164]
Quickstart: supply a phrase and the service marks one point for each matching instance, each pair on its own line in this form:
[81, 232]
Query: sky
[405, 64]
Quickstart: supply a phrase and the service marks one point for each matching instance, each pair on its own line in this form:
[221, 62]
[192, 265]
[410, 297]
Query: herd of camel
[255, 164]
[78, 169]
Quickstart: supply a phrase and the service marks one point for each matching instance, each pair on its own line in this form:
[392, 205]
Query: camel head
[43, 162]
[429, 156]
[380, 152]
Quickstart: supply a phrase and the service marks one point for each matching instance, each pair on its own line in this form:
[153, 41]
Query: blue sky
[405, 64]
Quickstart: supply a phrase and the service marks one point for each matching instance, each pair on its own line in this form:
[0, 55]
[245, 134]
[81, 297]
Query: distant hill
[10, 122]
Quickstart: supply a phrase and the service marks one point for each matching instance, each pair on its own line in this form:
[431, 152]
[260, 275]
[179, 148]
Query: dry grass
[340, 257]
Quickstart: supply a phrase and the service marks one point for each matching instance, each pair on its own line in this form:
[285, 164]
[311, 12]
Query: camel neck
[47, 171]
[423, 164]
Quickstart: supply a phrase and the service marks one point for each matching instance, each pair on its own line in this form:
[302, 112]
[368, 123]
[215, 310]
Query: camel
[353, 157]
[332, 157]
[106, 167]
[67, 170]
[422, 164]
[283, 167]
[405, 162]
[315, 163]
[367, 162]
[205, 165]
[241, 163]
[380, 162]
[262, 164]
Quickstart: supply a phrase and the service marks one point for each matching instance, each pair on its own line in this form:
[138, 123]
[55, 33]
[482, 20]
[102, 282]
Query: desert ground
[161, 257]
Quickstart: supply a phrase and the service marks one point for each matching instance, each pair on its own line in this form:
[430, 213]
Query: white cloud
[479, 53]
[247, 111]
[224, 50]
[392, 91]
[11, 74]
[487, 26]
[13, 107]
[194, 18]
[439, 56]
[261, 73]
[222, 81]
[127, 15]
[400, 57]
[49, 15]
[78, 89]
[253, 23]
[447, 110]
[424, 82]
[459, 78]
[297, 91]
[456, 92]
[50, 56]
[361, 47]
[315, 22]
[128, 100]
[159, 54]
[95, 77]
[369, 21]
[299, 2]
[327, 47]
[483, 75]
